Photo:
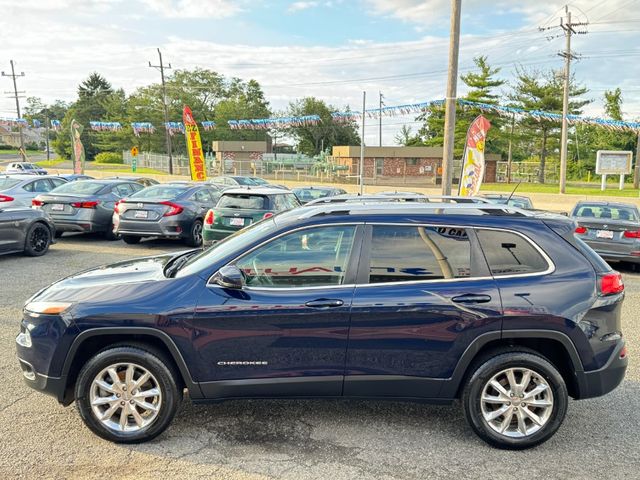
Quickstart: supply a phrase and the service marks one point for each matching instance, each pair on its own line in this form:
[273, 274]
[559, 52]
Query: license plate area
[141, 214]
[236, 222]
[608, 234]
[57, 207]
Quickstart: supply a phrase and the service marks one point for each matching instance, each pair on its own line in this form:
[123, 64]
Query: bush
[7, 147]
[109, 157]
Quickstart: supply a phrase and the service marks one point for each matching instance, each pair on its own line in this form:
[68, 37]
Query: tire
[150, 422]
[131, 239]
[38, 240]
[58, 234]
[109, 235]
[195, 234]
[521, 430]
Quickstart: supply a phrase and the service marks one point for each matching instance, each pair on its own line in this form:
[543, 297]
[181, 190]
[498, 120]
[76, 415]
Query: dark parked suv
[501, 308]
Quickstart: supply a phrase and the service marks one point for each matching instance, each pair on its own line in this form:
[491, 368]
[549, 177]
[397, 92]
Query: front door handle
[471, 298]
[324, 303]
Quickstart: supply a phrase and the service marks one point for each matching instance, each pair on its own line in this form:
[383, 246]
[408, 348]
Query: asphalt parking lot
[292, 439]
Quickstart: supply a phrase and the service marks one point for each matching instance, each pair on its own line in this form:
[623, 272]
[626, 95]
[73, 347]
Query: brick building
[238, 157]
[409, 164]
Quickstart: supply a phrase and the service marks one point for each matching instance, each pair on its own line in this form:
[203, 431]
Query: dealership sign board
[611, 162]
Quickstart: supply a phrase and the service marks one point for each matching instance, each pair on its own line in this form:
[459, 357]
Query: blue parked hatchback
[501, 308]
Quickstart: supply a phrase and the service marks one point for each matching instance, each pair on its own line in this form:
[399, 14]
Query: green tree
[312, 139]
[482, 84]
[535, 90]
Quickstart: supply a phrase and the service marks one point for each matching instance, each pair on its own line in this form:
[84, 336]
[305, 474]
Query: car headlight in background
[47, 308]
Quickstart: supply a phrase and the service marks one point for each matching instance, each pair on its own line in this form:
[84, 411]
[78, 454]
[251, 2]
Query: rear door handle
[471, 298]
[324, 303]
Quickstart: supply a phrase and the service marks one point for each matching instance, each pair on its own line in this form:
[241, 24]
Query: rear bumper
[602, 381]
[84, 226]
[624, 254]
[165, 229]
[213, 235]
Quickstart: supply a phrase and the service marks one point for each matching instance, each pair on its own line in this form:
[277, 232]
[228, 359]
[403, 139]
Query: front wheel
[515, 400]
[127, 394]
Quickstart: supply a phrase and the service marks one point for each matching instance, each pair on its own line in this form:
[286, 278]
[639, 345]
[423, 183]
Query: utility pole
[46, 129]
[569, 30]
[162, 67]
[509, 159]
[450, 105]
[636, 171]
[364, 103]
[380, 118]
[17, 98]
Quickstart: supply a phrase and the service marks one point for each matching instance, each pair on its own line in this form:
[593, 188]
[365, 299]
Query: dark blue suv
[501, 308]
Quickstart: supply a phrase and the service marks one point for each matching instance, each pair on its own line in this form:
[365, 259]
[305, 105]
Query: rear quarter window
[508, 253]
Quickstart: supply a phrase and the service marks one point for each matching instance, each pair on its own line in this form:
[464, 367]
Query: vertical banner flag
[77, 150]
[473, 158]
[194, 146]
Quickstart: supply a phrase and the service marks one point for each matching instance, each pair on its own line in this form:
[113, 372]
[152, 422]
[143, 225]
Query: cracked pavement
[291, 439]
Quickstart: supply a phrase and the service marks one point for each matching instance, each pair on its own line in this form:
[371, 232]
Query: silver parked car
[85, 206]
[612, 229]
[25, 168]
[169, 210]
[19, 190]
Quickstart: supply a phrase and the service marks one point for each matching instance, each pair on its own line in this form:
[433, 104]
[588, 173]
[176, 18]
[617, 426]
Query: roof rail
[404, 197]
[385, 207]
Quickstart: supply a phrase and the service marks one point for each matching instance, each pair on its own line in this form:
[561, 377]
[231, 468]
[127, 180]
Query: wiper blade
[177, 262]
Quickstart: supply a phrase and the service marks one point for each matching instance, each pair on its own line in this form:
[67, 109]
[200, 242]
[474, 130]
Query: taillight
[92, 204]
[209, 218]
[611, 283]
[116, 208]
[267, 215]
[632, 234]
[36, 203]
[581, 230]
[174, 209]
[6, 198]
[623, 352]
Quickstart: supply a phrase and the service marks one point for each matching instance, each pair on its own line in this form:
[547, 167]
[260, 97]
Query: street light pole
[364, 102]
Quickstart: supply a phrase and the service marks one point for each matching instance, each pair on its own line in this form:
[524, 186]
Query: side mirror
[229, 276]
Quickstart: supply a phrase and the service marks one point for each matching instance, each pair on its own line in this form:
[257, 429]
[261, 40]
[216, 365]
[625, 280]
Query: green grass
[121, 168]
[578, 189]
[50, 163]
[17, 152]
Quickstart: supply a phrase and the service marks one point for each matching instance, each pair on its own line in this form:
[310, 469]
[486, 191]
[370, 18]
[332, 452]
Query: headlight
[47, 308]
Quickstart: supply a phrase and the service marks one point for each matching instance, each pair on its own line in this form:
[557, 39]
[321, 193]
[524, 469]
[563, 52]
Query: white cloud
[196, 8]
[299, 6]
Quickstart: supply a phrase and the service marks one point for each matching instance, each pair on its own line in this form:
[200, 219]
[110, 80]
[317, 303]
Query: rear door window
[411, 253]
[508, 253]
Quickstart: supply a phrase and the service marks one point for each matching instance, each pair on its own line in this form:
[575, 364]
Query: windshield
[242, 200]
[308, 194]
[245, 181]
[6, 183]
[86, 187]
[28, 166]
[235, 242]
[606, 212]
[160, 191]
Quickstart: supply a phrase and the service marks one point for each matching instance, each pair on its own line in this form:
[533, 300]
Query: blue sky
[331, 49]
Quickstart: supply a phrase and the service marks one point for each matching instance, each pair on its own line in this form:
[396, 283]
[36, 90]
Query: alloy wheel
[125, 397]
[39, 239]
[517, 402]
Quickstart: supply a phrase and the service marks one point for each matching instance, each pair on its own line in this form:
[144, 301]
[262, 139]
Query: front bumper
[599, 382]
[54, 386]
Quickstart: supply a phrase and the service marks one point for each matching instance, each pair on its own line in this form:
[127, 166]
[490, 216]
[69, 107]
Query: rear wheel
[195, 234]
[127, 394]
[38, 240]
[131, 239]
[515, 400]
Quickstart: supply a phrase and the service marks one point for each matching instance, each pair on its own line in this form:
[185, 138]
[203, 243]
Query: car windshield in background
[606, 212]
[160, 191]
[244, 201]
[6, 183]
[308, 194]
[86, 187]
[28, 166]
[259, 181]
